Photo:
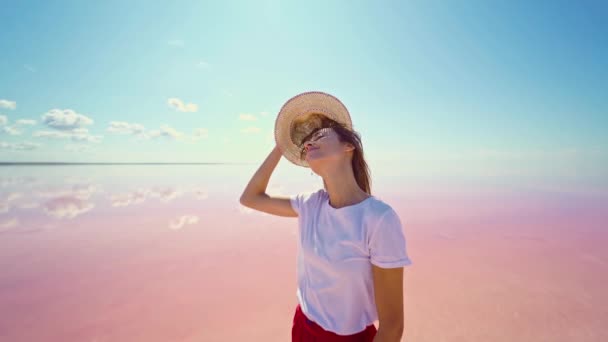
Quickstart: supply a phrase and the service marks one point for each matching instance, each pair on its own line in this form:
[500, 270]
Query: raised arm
[254, 196]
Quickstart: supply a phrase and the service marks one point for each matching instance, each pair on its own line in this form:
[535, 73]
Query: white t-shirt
[336, 250]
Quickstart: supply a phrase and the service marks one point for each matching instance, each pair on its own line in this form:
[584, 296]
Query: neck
[342, 187]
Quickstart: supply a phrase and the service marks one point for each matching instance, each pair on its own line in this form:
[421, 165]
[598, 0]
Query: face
[323, 144]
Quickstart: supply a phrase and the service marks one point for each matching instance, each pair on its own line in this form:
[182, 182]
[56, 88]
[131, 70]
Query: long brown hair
[346, 135]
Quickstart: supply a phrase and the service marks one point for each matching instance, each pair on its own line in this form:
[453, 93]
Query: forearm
[386, 335]
[258, 183]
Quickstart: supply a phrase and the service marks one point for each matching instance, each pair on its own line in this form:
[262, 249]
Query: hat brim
[295, 120]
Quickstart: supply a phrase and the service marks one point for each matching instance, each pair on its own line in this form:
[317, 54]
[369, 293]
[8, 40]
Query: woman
[351, 246]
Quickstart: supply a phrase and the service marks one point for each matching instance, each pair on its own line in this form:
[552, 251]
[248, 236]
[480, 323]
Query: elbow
[245, 199]
[392, 332]
[398, 333]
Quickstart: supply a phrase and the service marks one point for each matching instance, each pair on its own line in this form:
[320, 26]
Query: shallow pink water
[174, 262]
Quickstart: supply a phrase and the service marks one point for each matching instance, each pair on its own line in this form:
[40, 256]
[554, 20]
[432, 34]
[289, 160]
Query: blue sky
[464, 81]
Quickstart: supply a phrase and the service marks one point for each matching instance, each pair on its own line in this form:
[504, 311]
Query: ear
[348, 147]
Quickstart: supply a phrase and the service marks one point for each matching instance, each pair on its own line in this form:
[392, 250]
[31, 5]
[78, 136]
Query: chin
[314, 165]
[312, 161]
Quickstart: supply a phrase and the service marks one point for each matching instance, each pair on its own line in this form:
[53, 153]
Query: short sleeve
[387, 244]
[298, 201]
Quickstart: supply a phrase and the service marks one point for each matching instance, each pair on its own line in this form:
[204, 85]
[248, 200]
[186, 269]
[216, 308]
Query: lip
[312, 149]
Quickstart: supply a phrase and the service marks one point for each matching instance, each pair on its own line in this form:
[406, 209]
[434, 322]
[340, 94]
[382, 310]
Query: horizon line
[110, 163]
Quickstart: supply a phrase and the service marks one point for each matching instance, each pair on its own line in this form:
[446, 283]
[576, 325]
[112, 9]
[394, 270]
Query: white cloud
[78, 191]
[166, 195]
[122, 127]
[25, 122]
[13, 196]
[140, 195]
[51, 134]
[264, 113]
[180, 106]
[29, 68]
[69, 203]
[148, 135]
[65, 119]
[249, 130]
[164, 131]
[170, 132]
[67, 207]
[8, 104]
[247, 117]
[87, 138]
[22, 146]
[183, 220]
[151, 134]
[11, 130]
[127, 199]
[77, 135]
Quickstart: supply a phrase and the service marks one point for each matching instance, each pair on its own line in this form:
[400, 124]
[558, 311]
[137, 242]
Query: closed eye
[316, 136]
[312, 139]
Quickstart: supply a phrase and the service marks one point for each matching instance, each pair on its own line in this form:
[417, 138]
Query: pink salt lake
[167, 253]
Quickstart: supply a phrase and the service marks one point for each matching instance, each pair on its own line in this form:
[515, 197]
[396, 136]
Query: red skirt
[305, 330]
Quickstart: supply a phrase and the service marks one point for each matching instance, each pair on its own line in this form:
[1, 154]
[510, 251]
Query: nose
[308, 146]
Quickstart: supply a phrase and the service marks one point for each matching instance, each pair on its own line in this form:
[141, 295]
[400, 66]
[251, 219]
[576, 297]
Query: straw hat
[299, 116]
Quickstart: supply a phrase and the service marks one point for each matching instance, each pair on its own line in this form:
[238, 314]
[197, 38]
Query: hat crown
[302, 114]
